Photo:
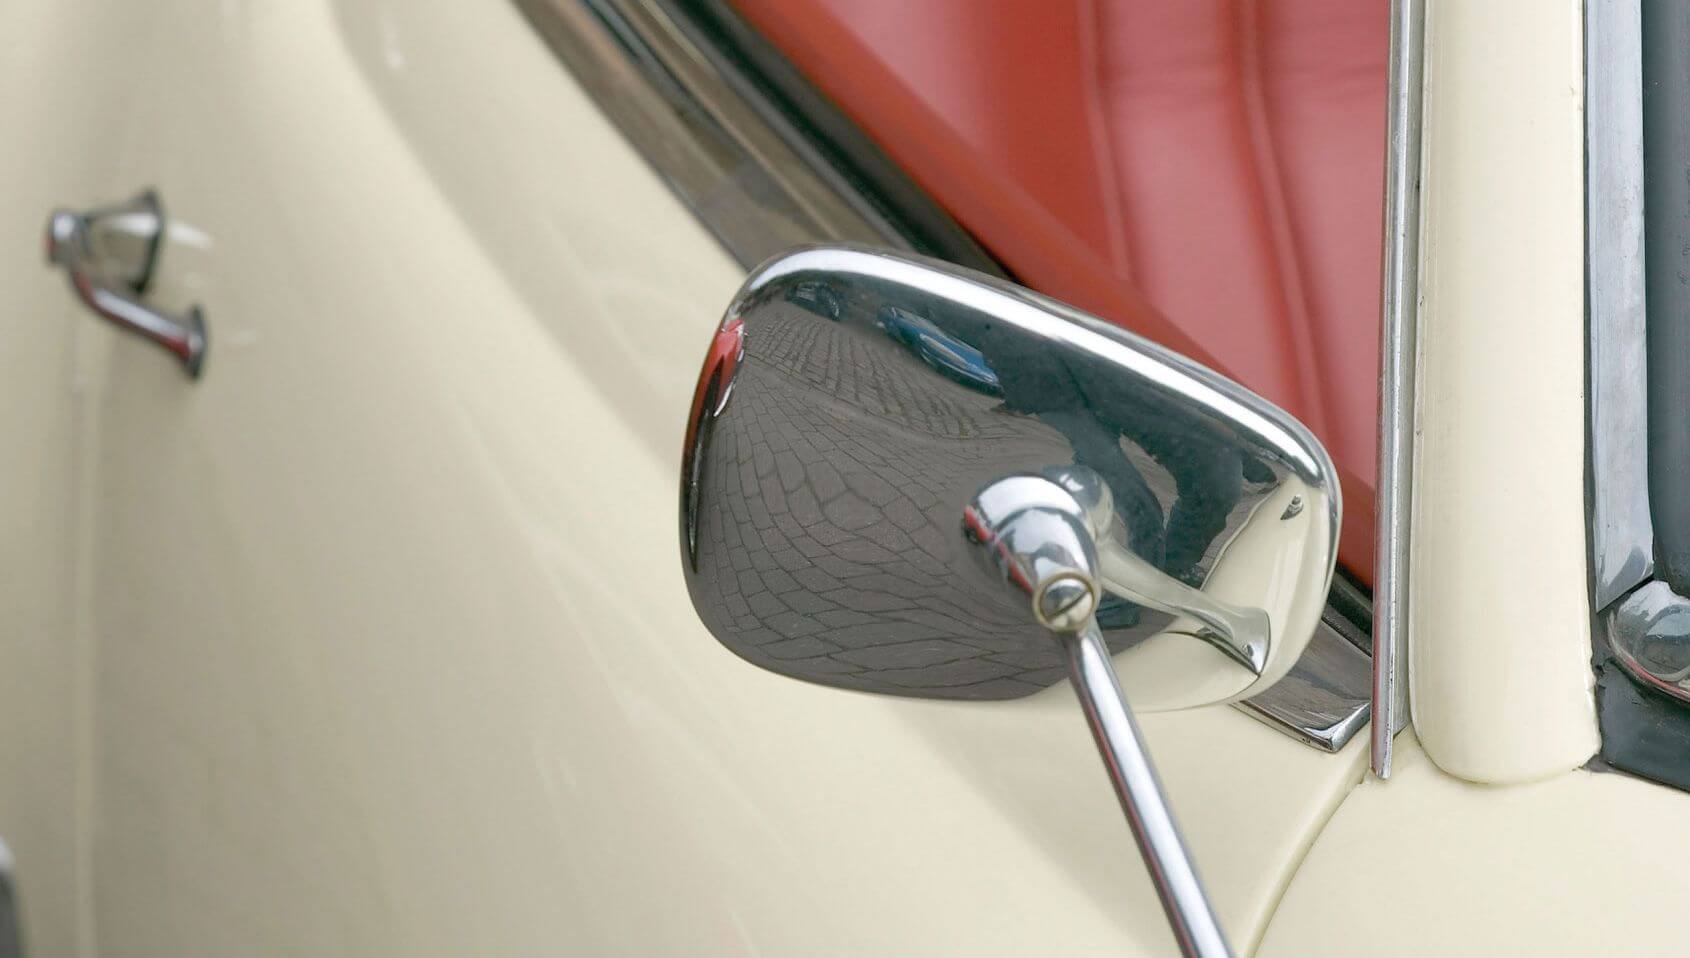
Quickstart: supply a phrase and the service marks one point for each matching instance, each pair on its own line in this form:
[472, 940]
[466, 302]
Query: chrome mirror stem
[1172, 871]
[1040, 533]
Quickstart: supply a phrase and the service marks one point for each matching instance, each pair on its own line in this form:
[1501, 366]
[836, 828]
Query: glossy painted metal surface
[46, 671]
[345, 625]
[1499, 640]
[1581, 864]
[648, 73]
[1622, 543]
[761, 196]
[1397, 357]
[375, 678]
[719, 140]
[827, 542]
[109, 278]
[1649, 632]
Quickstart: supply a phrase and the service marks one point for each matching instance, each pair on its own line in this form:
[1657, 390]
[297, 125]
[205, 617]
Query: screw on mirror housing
[1037, 537]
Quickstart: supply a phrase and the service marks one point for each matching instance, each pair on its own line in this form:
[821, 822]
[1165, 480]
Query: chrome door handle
[109, 254]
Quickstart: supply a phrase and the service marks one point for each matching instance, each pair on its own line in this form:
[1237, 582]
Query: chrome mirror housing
[876, 437]
[904, 477]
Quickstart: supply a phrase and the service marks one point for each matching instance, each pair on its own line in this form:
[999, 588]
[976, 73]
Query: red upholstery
[1205, 172]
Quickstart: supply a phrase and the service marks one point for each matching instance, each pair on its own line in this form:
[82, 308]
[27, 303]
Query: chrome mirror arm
[1040, 539]
[1190, 915]
[1242, 634]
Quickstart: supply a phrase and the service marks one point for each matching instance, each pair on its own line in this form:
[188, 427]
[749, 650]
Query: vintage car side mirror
[909, 478]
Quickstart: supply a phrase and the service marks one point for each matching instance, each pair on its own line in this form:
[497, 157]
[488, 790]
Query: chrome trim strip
[1323, 700]
[1622, 540]
[1398, 352]
[759, 196]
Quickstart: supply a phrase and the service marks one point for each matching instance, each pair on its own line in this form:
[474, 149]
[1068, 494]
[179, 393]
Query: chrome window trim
[1622, 540]
[760, 192]
[1398, 337]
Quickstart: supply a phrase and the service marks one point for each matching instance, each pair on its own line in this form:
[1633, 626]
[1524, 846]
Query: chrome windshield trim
[761, 191]
[1622, 541]
[1398, 352]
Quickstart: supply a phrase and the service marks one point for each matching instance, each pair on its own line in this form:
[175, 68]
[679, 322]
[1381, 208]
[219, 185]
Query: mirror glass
[854, 403]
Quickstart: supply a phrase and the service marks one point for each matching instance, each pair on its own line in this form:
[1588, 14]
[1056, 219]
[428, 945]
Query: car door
[373, 639]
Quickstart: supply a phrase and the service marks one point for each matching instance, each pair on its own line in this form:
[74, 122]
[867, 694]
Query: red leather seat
[1207, 173]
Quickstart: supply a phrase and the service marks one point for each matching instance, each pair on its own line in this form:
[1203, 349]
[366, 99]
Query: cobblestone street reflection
[851, 405]
[849, 460]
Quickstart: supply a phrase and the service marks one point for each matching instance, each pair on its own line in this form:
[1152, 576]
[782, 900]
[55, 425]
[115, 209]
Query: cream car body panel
[1499, 616]
[1428, 864]
[44, 444]
[374, 640]
[387, 646]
